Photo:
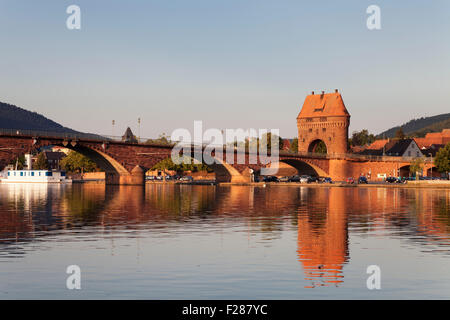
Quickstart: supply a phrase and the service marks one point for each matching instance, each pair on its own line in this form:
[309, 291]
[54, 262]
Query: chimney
[323, 92]
[312, 92]
[336, 90]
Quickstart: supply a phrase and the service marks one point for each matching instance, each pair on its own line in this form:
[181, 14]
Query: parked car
[150, 178]
[304, 179]
[283, 179]
[350, 180]
[186, 178]
[362, 179]
[270, 179]
[325, 180]
[295, 178]
[313, 179]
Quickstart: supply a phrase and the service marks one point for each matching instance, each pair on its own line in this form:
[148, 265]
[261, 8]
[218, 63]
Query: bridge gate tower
[323, 124]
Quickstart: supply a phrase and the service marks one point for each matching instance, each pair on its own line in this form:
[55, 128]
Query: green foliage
[435, 127]
[294, 145]
[76, 162]
[416, 166]
[20, 162]
[278, 141]
[320, 147]
[399, 134]
[442, 159]
[253, 144]
[163, 139]
[41, 162]
[361, 138]
[187, 164]
[415, 127]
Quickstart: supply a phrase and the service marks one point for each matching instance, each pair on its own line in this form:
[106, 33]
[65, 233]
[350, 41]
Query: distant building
[436, 138]
[53, 159]
[129, 136]
[61, 149]
[432, 150]
[377, 144]
[395, 148]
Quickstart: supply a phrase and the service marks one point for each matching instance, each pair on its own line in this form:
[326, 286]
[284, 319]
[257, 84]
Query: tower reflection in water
[323, 237]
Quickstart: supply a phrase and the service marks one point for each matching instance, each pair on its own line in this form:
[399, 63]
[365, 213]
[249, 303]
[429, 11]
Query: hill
[15, 118]
[420, 127]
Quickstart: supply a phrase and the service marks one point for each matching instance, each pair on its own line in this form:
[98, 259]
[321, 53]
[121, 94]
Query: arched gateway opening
[317, 146]
[404, 171]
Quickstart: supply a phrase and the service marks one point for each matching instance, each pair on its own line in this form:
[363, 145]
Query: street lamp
[139, 129]
[431, 168]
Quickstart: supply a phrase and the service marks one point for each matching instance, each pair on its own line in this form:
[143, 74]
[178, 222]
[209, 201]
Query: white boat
[40, 176]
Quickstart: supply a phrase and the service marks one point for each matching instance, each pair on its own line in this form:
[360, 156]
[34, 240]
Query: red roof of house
[431, 138]
[325, 104]
[377, 144]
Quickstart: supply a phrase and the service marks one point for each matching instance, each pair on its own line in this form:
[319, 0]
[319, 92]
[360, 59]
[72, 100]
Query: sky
[230, 63]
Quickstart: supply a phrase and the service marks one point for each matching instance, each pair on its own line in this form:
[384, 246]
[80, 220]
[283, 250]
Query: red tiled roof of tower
[325, 104]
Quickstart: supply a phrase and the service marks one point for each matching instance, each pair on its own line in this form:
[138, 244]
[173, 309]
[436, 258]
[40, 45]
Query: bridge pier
[136, 177]
[339, 169]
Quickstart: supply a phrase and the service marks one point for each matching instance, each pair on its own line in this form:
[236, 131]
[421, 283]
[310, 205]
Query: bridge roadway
[127, 162]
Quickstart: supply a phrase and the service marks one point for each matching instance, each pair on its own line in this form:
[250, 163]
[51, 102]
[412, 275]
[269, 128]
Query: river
[167, 241]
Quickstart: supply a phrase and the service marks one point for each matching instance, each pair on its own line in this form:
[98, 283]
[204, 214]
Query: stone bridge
[126, 162]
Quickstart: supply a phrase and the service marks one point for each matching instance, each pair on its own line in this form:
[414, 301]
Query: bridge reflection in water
[322, 218]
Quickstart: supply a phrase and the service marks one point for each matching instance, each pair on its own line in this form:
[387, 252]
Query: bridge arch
[223, 171]
[304, 167]
[104, 161]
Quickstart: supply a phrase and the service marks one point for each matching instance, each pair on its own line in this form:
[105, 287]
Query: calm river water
[234, 242]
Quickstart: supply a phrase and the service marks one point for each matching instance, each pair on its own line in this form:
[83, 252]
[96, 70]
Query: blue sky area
[232, 64]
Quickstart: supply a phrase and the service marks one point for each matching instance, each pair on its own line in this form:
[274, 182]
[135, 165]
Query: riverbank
[410, 184]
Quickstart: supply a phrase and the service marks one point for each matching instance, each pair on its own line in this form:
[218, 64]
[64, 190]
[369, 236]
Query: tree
[76, 162]
[187, 164]
[163, 139]
[361, 138]
[20, 161]
[416, 166]
[399, 134]
[268, 136]
[41, 162]
[442, 159]
[320, 147]
[294, 145]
